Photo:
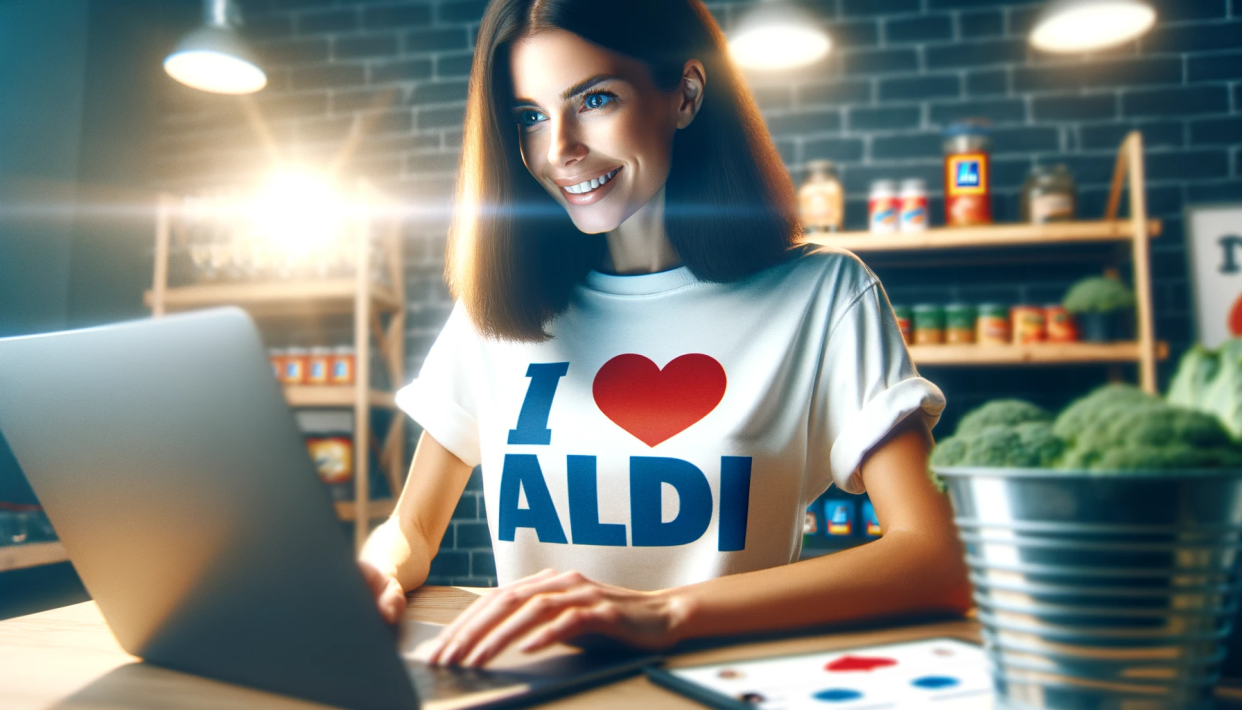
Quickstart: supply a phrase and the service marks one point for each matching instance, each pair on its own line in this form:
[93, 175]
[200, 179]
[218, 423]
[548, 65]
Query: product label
[1047, 208]
[810, 524]
[870, 520]
[294, 370]
[913, 214]
[840, 516]
[968, 174]
[885, 213]
[342, 371]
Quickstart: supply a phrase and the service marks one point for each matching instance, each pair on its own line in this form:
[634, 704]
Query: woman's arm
[397, 555]
[917, 566]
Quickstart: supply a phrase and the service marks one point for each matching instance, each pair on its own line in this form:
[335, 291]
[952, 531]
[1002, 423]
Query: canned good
[295, 366]
[959, 324]
[905, 323]
[885, 207]
[928, 324]
[333, 455]
[913, 215]
[277, 358]
[319, 366]
[993, 325]
[343, 362]
[1060, 324]
[1028, 325]
[839, 518]
[871, 520]
[967, 179]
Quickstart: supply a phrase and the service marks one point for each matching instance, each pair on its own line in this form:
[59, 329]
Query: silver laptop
[178, 481]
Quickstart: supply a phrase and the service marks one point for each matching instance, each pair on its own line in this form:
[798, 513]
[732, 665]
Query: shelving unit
[368, 303]
[1134, 232]
[32, 554]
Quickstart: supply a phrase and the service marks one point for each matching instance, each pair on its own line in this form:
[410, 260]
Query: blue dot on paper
[934, 682]
[837, 695]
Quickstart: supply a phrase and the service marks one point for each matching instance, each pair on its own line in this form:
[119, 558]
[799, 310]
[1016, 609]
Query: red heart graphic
[1235, 318]
[846, 664]
[653, 404]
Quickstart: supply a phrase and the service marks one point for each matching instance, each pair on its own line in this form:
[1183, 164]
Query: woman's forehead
[554, 65]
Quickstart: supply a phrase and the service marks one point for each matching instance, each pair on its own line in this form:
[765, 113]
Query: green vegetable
[1211, 382]
[1098, 294]
[1027, 445]
[1001, 412]
[1097, 409]
[1152, 436]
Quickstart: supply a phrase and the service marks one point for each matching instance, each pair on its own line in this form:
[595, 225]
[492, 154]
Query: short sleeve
[867, 385]
[442, 399]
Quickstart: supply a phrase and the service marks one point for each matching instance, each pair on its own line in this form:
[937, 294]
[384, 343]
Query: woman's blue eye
[529, 117]
[604, 98]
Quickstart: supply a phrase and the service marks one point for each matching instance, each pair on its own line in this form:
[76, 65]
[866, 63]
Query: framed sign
[1214, 238]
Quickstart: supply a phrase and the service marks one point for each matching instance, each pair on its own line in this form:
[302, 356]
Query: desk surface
[67, 658]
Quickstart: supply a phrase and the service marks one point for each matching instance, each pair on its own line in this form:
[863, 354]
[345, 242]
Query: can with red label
[914, 214]
[295, 366]
[1060, 324]
[885, 207]
[319, 366]
[1028, 325]
[343, 362]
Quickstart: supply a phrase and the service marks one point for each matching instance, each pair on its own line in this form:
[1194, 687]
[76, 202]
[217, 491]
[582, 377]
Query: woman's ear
[690, 92]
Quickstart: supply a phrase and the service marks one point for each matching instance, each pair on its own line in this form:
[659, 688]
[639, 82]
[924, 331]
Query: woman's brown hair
[514, 256]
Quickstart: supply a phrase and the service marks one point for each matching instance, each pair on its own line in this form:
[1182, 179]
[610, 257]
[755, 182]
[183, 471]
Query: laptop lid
[177, 479]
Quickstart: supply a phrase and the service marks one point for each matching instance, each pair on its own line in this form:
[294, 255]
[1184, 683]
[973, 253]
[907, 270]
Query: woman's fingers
[604, 616]
[538, 609]
[506, 597]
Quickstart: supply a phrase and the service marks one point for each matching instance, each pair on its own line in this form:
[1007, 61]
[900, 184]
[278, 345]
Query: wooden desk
[66, 658]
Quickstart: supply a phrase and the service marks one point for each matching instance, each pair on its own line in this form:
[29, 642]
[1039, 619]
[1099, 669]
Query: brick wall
[378, 89]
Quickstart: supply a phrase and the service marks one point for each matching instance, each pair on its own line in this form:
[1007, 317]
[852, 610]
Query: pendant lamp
[1069, 26]
[214, 57]
[777, 34]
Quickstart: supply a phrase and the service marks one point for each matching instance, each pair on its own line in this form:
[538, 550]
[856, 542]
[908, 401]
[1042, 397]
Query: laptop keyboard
[445, 682]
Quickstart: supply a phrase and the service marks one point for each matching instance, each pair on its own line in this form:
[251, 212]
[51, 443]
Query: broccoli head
[1001, 412]
[1098, 294]
[1097, 409]
[1027, 445]
[1151, 435]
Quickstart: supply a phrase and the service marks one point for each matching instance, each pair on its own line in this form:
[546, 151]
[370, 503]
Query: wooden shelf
[277, 297]
[380, 508]
[334, 396]
[32, 554]
[1037, 354]
[999, 235]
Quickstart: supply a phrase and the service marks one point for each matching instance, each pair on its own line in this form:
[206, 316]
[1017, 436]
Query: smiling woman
[655, 376]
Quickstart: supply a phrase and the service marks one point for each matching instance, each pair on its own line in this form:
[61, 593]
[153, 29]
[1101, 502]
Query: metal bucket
[1099, 591]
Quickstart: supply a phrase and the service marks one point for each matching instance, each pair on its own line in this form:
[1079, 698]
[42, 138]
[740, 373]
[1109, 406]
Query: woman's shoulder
[827, 267]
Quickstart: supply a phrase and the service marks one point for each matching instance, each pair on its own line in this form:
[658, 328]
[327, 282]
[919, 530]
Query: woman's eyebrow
[572, 91]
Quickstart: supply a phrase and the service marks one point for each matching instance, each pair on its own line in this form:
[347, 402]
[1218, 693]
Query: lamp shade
[1067, 26]
[214, 57]
[778, 35]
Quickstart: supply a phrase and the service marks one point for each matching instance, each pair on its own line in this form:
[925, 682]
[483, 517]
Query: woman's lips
[590, 198]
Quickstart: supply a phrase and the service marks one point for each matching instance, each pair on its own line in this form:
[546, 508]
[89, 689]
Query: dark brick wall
[378, 89]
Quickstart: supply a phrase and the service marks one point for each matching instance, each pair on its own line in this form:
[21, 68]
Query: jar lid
[927, 307]
[913, 185]
[959, 308]
[884, 186]
[969, 127]
[320, 350]
[820, 165]
[343, 350]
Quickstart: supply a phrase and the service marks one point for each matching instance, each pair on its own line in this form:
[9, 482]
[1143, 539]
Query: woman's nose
[566, 146]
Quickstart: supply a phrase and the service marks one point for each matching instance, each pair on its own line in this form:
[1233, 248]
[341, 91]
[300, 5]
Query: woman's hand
[548, 607]
[389, 595]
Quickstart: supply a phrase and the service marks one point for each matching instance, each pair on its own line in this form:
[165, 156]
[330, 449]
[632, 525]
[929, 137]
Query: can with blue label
[967, 175]
[885, 207]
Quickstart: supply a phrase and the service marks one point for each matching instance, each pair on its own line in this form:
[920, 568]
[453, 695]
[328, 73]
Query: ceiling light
[214, 57]
[1068, 26]
[778, 35]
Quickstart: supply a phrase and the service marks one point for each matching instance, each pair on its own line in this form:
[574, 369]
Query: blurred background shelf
[277, 297]
[992, 236]
[1037, 354]
[334, 396]
[31, 555]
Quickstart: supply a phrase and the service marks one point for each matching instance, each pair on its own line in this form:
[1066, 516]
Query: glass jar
[1049, 195]
[821, 199]
[967, 175]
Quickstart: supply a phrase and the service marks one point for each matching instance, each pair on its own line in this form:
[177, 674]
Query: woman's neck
[640, 245]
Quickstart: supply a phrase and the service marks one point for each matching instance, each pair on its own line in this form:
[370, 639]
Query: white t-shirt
[673, 430]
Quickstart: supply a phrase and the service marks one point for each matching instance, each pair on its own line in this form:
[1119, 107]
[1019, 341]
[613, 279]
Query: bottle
[885, 207]
[1049, 195]
[914, 215]
[967, 175]
[821, 200]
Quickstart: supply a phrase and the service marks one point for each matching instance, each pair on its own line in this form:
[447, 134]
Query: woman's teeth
[589, 185]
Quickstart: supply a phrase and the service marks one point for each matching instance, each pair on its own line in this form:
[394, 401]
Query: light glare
[1093, 26]
[299, 211]
[215, 72]
[779, 47]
